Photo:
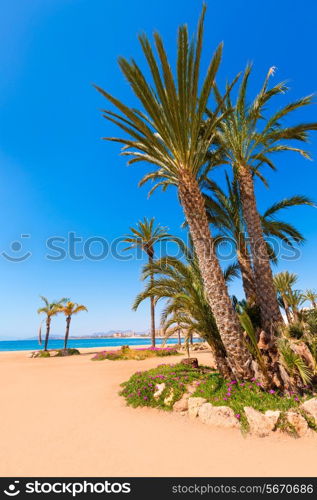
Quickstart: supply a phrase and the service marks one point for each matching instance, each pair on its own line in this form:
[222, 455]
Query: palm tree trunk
[247, 275]
[287, 310]
[68, 320]
[222, 365]
[48, 327]
[179, 337]
[152, 307]
[215, 286]
[264, 286]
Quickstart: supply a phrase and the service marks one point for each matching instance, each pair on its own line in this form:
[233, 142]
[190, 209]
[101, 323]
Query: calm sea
[32, 345]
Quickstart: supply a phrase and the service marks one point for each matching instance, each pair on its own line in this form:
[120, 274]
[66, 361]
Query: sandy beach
[63, 417]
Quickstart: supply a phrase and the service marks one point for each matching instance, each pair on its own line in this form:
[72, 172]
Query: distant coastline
[33, 345]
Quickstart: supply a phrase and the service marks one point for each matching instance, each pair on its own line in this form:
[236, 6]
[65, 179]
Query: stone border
[260, 424]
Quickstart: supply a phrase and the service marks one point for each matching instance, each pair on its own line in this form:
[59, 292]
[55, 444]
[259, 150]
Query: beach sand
[63, 417]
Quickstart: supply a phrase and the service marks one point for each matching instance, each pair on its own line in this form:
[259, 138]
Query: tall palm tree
[69, 309]
[166, 132]
[50, 309]
[225, 213]
[248, 140]
[284, 282]
[180, 282]
[311, 295]
[145, 236]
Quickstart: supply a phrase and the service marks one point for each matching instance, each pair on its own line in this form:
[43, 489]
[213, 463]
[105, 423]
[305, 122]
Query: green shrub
[140, 388]
[126, 352]
[42, 354]
[237, 395]
[67, 352]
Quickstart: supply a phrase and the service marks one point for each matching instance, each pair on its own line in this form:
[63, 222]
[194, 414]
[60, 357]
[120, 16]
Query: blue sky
[57, 176]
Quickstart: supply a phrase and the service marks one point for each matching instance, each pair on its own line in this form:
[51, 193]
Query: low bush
[140, 388]
[139, 354]
[42, 354]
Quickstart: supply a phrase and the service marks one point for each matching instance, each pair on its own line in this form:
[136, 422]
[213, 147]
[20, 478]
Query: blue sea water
[32, 345]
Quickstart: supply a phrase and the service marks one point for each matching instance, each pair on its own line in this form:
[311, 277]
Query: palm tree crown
[145, 235]
[225, 213]
[71, 308]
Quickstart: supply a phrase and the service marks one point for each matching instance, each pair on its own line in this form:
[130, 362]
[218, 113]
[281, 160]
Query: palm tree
[225, 213]
[145, 236]
[166, 132]
[295, 299]
[284, 282]
[50, 309]
[70, 308]
[180, 282]
[247, 140]
[311, 295]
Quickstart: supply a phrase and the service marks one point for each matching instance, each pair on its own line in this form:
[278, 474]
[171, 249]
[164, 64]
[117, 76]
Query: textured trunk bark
[179, 338]
[295, 314]
[68, 320]
[247, 275]
[223, 366]
[152, 307]
[265, 290]
[215, 286]
[48, 327]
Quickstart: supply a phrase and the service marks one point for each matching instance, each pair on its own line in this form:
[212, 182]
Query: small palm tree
[50, 309]
[69, 309]
[311, 295]
[247, 140]
[145, 236]
[284, 282]
[166, 131]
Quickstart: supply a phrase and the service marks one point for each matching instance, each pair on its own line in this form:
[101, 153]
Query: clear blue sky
[57, 175]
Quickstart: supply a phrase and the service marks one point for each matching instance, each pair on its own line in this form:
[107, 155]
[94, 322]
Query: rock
[273, 416]
[260, 424]
[159, 388]
[310, 406]
[181, 404]
[193, 406]
[191, 388]
[298, 422]
[219, 416]
[168, 400]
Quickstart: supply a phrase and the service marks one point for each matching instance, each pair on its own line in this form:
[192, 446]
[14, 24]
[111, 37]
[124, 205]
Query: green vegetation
[237, 395]
[140, 388]
[139, 354]
[67, 352]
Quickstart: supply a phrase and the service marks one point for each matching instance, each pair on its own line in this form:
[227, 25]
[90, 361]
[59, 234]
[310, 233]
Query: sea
[33, 345]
